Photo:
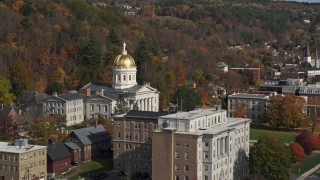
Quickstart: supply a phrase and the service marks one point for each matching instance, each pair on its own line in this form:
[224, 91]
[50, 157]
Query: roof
[249, 96]
[29, 97]
[4, 112]
[192, 114]
[6, 147]
[92, 135]
[72, 95]
[108, 88]
[58, 151]
[72, 145]
[145, 114]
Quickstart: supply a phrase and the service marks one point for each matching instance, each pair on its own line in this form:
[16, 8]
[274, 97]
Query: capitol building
[124, 83]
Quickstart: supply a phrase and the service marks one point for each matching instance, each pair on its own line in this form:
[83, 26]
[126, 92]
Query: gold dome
[124, 59]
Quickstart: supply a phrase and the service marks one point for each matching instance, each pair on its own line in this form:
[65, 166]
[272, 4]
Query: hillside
[56, 46]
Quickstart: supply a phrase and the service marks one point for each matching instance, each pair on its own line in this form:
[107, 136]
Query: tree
[186, 97]
[286, 111]
[42, 128]
[113, 38]
[107, 124]
[91, 53]
[271, 158]
[121, 106]
[297, 152]
[21, 77]
[6, 97]
[142, 56]
[304, 140]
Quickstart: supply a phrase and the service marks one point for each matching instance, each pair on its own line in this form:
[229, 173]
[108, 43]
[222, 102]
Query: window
[186, 144]
[177, 177]
[99, 108]
[119, 145]
[206, 144]
[177, 144]
[177, 167]
[105, 108]
[186, 155]
[206, 167]
[177, 155]
[206, 178]
[186, 178]
[91, 107]
[129, 77]
[124, 77]
[186, 168]
[206, 154]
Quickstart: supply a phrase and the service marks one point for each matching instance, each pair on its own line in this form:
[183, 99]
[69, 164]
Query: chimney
[55, 94]
[86, 92]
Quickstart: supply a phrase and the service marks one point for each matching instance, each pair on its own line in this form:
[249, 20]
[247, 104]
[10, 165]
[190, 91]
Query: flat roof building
[21, 160]
[200, 144]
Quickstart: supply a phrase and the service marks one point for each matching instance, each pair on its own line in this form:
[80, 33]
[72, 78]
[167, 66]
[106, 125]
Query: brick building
[59, 159]
[132, 140]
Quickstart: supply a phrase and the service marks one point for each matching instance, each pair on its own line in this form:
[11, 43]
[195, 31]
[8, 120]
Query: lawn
[287, 137]
[90, 167]
[308, 163]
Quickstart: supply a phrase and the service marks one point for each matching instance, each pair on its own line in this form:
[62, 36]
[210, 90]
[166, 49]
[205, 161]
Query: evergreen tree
[91, 53]
[121, 106]
[186, 97]
[113, 38]
[143, 58]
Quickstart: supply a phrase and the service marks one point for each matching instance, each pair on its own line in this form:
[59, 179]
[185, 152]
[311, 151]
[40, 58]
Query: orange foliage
[239, 115]
[297, 152]
[181, 76]
[17, 5]
[315, 140]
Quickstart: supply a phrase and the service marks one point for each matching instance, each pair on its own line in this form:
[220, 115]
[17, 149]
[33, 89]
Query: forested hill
[59, 45]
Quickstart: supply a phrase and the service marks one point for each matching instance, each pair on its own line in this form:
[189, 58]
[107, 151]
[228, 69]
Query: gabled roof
[72, 145]
[29, 97]
[92, 135]
[146, 114]
[58, 151]
[4, 112]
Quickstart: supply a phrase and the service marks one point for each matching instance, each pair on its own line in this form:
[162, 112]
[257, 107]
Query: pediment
[146, 89]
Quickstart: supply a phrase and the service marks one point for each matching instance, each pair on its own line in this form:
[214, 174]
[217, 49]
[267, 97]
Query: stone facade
[201, 144]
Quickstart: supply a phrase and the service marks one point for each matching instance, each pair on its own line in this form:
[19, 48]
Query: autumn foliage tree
[305, 141]
[315, 141]
[6, 97]
[297, 152]
[286, 111]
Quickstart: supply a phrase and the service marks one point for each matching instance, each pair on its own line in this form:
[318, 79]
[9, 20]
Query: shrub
[297, 152]
[315, 141]
[304, 140]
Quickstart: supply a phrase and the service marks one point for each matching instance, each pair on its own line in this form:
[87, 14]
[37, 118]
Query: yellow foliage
[58, 75]
[3, 6]
[14, 45]
[57, 28]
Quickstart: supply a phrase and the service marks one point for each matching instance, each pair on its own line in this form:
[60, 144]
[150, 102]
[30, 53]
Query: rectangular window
[105, 108]
[186, 144]
[99, 108]
[186, 168]
[186, 155]
[186, 178]
[206, 154]
[177, 155]
[177, 177]
[206, 167]
[118, 145]
[92, 107]
[206, 144]
[177, 167]
[118, 134]
[177, 144]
